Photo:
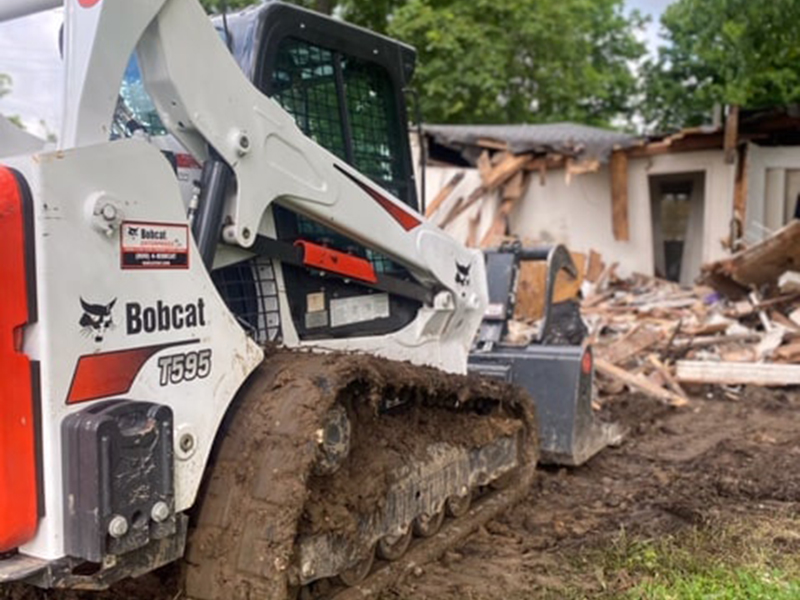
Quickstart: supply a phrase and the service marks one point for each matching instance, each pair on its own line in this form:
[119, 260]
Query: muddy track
[262, 495]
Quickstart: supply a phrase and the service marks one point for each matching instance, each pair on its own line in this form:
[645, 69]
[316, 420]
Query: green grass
[756, 559]
[720, 584]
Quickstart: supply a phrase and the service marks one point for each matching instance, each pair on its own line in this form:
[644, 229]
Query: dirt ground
[679, 469]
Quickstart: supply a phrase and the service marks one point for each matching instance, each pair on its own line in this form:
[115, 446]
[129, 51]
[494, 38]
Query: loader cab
[344, 86]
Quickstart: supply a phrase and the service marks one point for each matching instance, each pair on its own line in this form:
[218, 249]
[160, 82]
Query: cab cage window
[347, 105]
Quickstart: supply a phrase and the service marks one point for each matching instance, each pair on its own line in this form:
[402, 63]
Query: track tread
[246, 523]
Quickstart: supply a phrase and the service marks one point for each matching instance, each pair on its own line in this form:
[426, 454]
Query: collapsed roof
[582, 142]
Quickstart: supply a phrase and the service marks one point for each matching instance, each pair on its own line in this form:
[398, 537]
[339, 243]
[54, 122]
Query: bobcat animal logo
[96, 319]
[133, 231]
[462, 273]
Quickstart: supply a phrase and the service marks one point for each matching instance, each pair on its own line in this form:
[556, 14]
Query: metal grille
[370, 105]
[250, 292]
[304, 84]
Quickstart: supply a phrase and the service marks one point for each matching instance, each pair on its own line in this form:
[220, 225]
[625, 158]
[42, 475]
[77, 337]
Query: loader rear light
[586, 362]
[19, 507]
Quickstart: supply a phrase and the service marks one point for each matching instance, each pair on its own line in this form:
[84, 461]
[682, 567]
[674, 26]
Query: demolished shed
[661, 205]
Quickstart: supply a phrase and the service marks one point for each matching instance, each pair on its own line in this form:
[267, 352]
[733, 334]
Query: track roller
[359, 571]
[392, 547]
[457, 506]
[426, 526]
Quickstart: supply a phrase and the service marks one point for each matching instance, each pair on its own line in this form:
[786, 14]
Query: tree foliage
[372, 14]
[507, 61]
[517, 61]
[723, 51]
[216, 6]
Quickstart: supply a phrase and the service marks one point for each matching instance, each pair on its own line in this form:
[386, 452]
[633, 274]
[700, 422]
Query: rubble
[741, 326]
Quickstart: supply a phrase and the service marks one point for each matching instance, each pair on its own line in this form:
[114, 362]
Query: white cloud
[653, 8]
[29, 54]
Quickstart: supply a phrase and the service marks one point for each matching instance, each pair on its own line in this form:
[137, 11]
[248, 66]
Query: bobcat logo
[133, 231]
[96, 319]
[462, 274]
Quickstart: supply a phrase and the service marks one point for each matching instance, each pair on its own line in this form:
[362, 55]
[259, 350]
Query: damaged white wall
[578, 212]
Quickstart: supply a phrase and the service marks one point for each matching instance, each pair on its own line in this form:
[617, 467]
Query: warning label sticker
[359, 308]
[154, 245]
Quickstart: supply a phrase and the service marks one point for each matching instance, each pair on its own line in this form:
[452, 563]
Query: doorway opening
[677, 206]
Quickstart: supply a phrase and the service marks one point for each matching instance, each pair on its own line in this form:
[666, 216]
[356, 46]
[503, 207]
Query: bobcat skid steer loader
[220, 301]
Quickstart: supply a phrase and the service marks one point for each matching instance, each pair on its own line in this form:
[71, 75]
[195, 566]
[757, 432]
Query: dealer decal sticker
[154, 245]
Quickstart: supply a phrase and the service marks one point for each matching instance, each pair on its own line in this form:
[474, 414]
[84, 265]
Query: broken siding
[579, 214]
[578, 211]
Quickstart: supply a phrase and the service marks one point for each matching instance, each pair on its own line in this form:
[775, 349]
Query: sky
[29, 54]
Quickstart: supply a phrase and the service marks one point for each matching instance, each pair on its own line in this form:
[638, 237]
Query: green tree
[508, 61]
[372, 14]
[517, 61]
[216, 6]
[723, 51]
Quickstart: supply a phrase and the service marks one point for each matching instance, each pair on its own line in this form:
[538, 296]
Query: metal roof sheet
[571, 139]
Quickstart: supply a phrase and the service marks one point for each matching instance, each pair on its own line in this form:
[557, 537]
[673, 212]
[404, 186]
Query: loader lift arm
[271, 159]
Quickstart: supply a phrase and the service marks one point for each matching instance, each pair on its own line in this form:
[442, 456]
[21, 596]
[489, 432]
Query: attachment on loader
[556, 368]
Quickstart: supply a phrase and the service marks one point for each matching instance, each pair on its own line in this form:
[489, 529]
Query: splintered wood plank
[761, 264]
[736, 373]
[532, 283]
[619, 195]
[634, 342]
[594, 266]
[669, 378]
[492, 144]
[444, 194]
[506, 169]
[515, 188]
[484, 165]
[639, 383]
[497, 176]
[789, 352]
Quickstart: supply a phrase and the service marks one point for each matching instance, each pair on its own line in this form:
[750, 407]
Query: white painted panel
[792, 194]
[774, 198]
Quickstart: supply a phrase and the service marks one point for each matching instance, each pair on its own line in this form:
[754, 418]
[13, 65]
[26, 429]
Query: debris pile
[739, 326]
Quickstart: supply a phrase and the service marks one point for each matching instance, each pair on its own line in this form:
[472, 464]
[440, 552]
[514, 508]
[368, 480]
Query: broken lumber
[635, 341]
[444, 194]
[533, 282]
[669, 378]
[737, 373]
[758, 265]
[619, 196]
[639, 383]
